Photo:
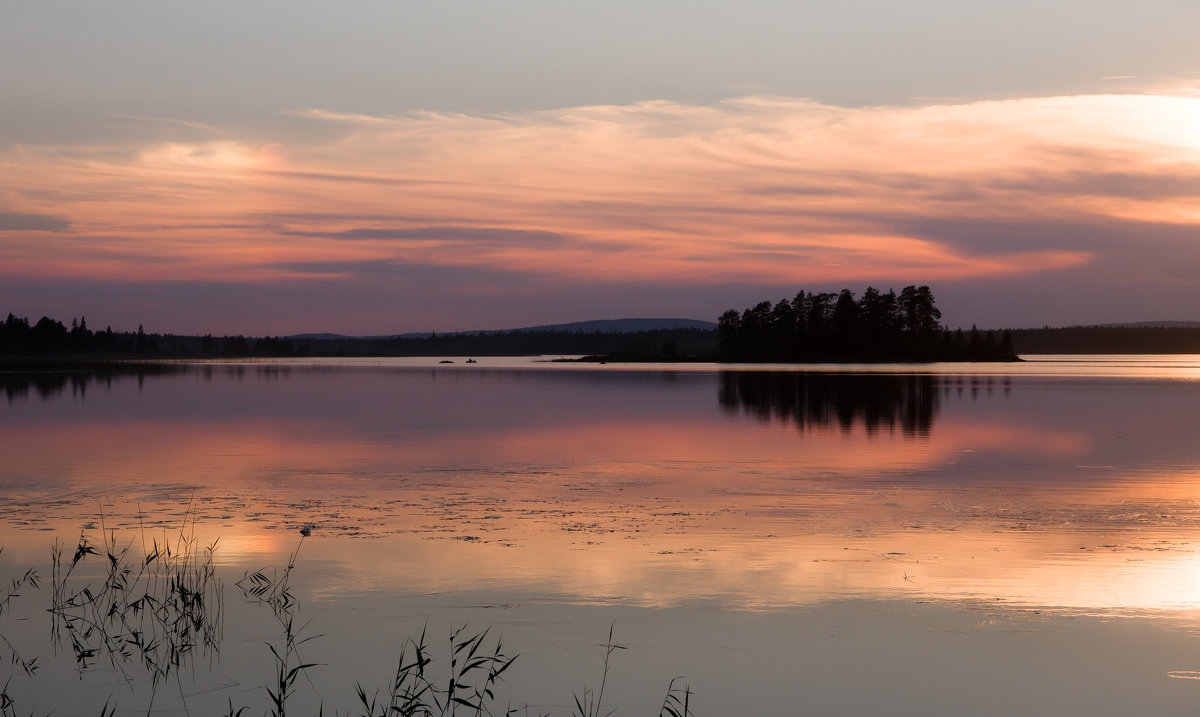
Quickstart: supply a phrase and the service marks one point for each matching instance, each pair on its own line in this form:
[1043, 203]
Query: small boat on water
[445, 361]
[471, 360]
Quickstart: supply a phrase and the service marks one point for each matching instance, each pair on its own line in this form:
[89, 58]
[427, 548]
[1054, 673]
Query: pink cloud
[760, 189]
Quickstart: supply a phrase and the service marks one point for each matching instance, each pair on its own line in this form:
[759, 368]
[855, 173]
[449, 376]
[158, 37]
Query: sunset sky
[384, 167]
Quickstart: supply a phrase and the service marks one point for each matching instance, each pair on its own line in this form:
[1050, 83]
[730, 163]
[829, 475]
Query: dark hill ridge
[1150, 325]
[1156, 337]
[606, 326]
[620, 326]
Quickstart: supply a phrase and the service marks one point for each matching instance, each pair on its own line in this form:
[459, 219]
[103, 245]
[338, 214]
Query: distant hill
[607, 326]
[615, 326]
[330, 336]
[1152, 325]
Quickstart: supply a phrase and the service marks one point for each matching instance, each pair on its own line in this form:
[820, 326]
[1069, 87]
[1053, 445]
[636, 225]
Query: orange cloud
[758, 189]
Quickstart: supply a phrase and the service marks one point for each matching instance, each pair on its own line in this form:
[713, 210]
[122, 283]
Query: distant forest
[810, 327]
[1108, 340]
[878, 327]
[50, 338]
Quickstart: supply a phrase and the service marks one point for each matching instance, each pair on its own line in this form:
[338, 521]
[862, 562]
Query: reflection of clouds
[630, 486]
[775, 565]
[665, 512]
[643, 534]
[680, 458]
[236, 422]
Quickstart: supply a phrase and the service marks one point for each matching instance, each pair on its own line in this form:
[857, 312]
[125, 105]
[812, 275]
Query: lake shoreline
[122, 363]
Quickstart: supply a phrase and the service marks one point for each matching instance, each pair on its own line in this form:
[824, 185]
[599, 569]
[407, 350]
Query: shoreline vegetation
[150, 615]
[809, 328]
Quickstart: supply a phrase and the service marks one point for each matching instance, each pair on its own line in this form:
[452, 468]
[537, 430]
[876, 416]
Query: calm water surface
[937, 539]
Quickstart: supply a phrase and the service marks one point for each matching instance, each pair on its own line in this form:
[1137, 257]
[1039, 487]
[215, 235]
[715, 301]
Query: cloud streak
[473, 235]
[13, 222]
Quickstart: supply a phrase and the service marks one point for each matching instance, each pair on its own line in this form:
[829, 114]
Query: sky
[385, 167]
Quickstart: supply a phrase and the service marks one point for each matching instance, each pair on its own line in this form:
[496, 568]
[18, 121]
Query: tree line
[49, 337]
[811, 327]
[1109, 340]
[876, 327]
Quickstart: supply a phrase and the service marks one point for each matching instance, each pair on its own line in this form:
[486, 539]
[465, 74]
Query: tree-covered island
[837, 328]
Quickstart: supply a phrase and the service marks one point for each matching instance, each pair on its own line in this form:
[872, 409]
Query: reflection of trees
[47, 384]
[820, 400]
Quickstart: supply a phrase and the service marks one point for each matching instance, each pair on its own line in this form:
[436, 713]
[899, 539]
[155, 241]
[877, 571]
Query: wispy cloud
[11, 222]
[169, 120]
[473, 235]
[759, 189]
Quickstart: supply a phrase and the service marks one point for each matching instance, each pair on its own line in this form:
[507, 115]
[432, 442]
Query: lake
[988, 539]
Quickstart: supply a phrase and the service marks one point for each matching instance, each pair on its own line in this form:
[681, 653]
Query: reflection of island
[820, 400]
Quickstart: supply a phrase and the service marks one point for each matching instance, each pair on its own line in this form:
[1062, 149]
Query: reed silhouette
[157, 607]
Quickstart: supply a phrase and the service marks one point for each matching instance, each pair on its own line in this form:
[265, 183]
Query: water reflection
[548, 499]
[819, 400]
[46, 385]
[670, 494]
